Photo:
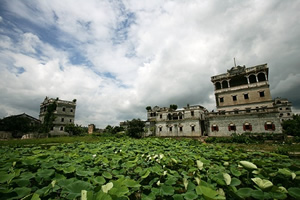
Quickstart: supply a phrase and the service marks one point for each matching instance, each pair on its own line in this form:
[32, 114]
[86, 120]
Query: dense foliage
[135, 128]
[73, 129]
[292, 127]
[148, 168]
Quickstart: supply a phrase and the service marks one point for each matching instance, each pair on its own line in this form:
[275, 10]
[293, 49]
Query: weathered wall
[256, 120]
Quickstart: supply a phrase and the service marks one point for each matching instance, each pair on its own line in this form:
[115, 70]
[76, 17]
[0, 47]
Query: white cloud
[118, 57]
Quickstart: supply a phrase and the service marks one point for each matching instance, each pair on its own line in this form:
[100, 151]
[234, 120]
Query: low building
[64, 113]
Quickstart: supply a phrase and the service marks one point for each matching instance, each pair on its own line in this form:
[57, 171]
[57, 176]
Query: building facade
[244, 104]
[64, 113]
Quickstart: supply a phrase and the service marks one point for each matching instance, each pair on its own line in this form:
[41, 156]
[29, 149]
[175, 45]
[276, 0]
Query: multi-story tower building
[63, 114]
[242, 88]
[284, 108]
[244, 102]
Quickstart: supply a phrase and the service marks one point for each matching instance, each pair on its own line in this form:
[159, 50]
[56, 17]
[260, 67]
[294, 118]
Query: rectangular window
[63, 109]
[70, 120]
[160, 116]
[246, 96]
[193, 128]
[62, 119]
[180, 128]
[262, 94]
[231, 128]
[170, 129]
[160, 129]
[248, 110]
[192, 113]
[234, 98]
[61, 128]
[221, 99]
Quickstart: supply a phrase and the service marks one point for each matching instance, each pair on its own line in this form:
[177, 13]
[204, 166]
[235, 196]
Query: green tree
[173, 106]
[108, 129]
[148, 108]
[117, 129]
[75, 129]
[135, 128]
[49, 118]
[292, 127]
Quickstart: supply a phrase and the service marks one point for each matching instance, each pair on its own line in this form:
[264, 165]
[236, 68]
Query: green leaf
[146, 174]
[206, 191]
[167, 190]
[262, 183]
[185, 183]
[294, 192]
[227, 178]
[45, 173]
[119, 191]
[107, 187]
[4, 177]
[73, 190]
[84, 173]
[235, 182]
[190, 195]
[35, 197]
[244, 192]
[235, 171]
[107, 175]
[22, 192]
[248, 165]
[69, 169]
[131, 183]
[257, 194]
[99, 180]
[177, 197]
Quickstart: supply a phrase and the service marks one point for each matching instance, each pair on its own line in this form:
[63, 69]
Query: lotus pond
[150, 168]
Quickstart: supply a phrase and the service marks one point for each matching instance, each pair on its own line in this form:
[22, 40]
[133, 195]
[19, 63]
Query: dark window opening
[221, 99]
[261, 77]
[62, 119]
[238, 80]
[248, 110]
[170, 129]
[180, 115]
[247, 127]
[61, 128]
[70, 120]
[252, 79]
[218, 85]
[231, 127]
[71, 110]
[262, 94]
[288, 114]
[280, 108]
[193, 128]
[169, 116]
[287, 108]
[180, 128]
[234, 98]
[63, 109]
[236, 111]
[269, 127]
[225, 84]
[192, 113]
[175, 116]
[160, 129]
[246, 96]
[214, 128]
[160, 116]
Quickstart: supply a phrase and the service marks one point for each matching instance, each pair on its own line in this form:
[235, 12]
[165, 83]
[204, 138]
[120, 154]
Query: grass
[54, 140]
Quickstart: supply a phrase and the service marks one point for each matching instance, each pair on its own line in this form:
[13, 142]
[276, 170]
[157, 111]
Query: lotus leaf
[248, 165]
[262, 183]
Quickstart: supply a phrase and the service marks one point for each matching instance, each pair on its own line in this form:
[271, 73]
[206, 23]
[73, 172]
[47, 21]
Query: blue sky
[117, 57]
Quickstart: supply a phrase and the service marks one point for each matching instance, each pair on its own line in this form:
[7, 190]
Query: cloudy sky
[117, 57]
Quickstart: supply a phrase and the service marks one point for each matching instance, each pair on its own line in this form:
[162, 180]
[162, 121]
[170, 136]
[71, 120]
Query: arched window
[169, 116]
[252, 78]
[261, 77]
[231, 127]
[218, 85]
[225, 84]
[238, 80]
[269, 126]
[247, 127]
[214, 128]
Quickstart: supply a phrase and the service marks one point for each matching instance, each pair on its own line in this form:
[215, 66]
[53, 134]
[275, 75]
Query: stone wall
[257, 122]
[5, 135]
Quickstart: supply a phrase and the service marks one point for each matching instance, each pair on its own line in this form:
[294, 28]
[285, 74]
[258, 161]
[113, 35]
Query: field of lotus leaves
[150, 168]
